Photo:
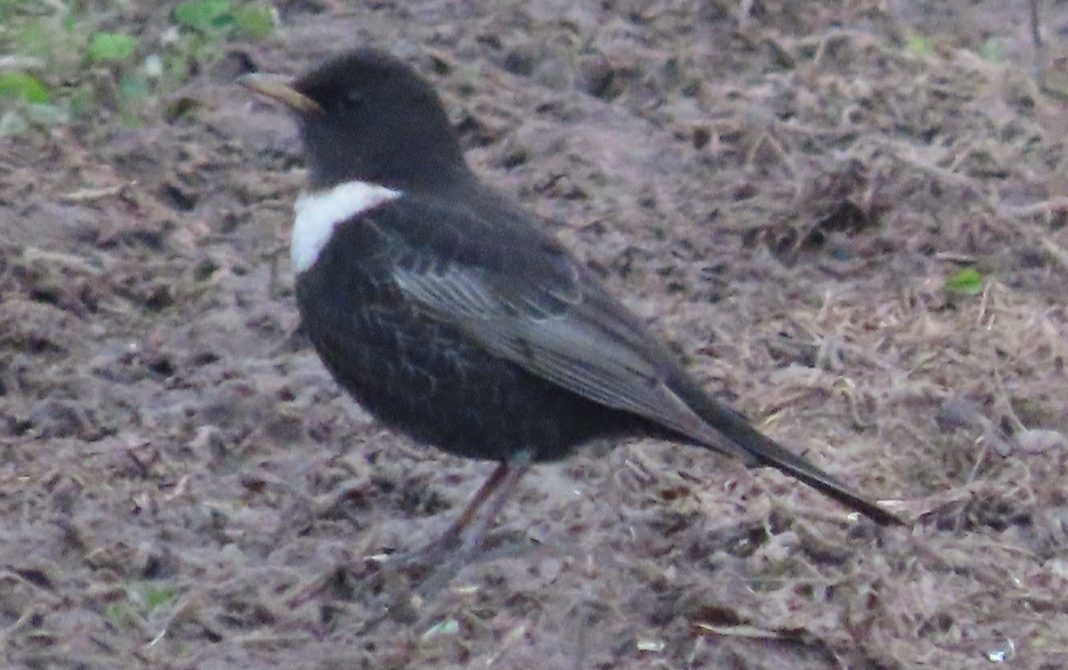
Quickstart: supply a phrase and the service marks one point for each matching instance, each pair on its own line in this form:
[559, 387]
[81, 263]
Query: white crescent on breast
[319, 212]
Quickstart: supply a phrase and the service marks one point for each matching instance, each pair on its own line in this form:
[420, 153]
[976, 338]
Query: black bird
[451, 315]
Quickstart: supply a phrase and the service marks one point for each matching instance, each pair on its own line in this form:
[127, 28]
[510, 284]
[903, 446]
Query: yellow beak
[280, 88]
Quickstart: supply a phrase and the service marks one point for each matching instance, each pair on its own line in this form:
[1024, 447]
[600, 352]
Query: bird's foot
[434, 565]
[438, 551]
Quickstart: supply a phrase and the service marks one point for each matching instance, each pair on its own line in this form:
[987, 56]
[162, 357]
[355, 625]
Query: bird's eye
[352, 99]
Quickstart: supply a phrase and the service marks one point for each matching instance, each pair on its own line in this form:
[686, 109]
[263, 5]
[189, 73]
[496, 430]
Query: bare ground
[782, 187]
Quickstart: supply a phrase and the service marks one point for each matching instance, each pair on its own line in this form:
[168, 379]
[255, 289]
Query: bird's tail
[745, 438]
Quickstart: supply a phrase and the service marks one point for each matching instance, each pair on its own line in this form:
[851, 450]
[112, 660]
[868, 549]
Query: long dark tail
[742, 435]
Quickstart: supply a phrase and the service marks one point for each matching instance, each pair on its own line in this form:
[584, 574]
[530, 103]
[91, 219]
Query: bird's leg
[439, 560]
[505, 487]
[461, 541]
[497, 487]
[452, 535]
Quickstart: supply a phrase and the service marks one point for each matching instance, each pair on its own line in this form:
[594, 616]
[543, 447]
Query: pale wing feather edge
[614, 374]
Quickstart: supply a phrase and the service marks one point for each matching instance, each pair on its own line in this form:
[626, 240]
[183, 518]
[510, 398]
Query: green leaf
[133, 87]
[255, 21]
[968, 281]
[47, 114]
[111, 47]
[920, 45]
[82, 101]
[21, 86]
[12, 123]
[154, 596]
[204, 15]
[176, 66]
[993, 50]
[118, 614]
[147, 596]
[35, 39]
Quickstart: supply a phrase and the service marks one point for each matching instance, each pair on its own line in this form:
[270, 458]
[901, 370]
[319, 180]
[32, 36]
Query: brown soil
[782, 187]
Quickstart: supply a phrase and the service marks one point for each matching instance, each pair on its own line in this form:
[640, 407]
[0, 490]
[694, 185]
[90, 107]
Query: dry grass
[783, 187]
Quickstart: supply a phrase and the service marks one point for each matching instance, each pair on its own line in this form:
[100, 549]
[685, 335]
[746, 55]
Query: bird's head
[367, 116]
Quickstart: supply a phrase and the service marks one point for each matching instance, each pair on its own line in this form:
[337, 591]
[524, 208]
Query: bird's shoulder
[481, 235]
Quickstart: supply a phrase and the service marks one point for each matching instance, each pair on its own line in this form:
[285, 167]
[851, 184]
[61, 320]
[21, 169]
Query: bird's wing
[524, 298]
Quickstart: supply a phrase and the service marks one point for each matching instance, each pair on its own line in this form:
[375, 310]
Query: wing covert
[548, 315]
